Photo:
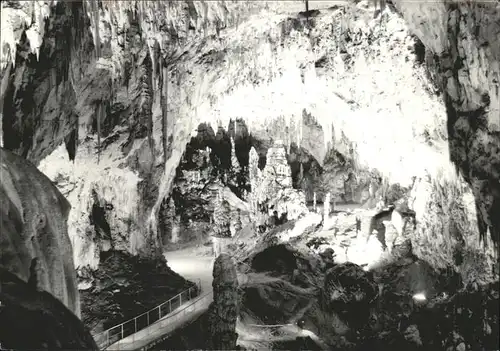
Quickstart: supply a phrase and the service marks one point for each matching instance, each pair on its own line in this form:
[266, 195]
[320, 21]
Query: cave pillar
[220, 245]
[326, 203]
[314, 202]
[175, 229]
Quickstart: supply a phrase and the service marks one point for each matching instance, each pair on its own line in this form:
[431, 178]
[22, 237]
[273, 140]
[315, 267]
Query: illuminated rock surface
[106, 99]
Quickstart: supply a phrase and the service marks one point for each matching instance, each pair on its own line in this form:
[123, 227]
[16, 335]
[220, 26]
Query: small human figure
[358, 224]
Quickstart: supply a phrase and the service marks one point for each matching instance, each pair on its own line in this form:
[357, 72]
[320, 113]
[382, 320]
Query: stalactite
[100, 117]
[164, 111]
[97, 39]
[53, 78]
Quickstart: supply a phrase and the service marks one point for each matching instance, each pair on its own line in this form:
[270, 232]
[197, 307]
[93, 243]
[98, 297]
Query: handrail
[184, 307]
[168, 324]
[162, 329]
[108, 337]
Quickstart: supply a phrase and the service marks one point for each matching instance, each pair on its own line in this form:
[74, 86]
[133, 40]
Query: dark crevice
[26, 311]
[463, 128]
[304, 167]
[419, 48]
[463, 158]
[66, 32]
[98, 219]
[242, 139]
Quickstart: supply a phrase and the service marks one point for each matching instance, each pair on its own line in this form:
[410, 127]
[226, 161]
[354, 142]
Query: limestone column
[326, 204]
[314, 202]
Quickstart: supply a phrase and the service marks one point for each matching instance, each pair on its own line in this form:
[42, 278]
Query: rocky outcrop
[125, 286]
[348, 291]
[447, 224]
[117, 192]
[349, 308]
[272, 188]
[38, 289]
[462, 51]
[35, 246]
[223, 312]
[34, 319]
[346, 78]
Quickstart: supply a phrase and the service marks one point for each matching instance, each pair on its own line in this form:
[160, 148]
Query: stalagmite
[326, 205]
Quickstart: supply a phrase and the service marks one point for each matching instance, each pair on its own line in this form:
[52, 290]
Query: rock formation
[223, 312]
[462, 52]
[222, 216]
[326, 205]
[235, 165]
[222, 224]
[49, 324]
[273, 187]
[277, 172]
[348, 308]
[255, 176]
[105, 97]
[349, 291]
[38, 287]
[35, 245]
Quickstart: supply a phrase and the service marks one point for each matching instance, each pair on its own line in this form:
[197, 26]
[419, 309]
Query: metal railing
[144, 320]
[176, 319]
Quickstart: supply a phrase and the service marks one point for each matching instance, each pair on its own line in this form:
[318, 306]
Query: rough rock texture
[272, 188]
[347, 77]
[116, 192]
[463, 44]
[216, 72]
[222, 216]
[192, 205]
[350, 309]
[349, 291]
[34, 245]
[125, 286]
[223, 311]
[36, 320]
[446, 234]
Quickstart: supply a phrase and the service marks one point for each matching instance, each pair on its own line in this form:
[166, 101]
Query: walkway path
[284, 332]
[193, 268]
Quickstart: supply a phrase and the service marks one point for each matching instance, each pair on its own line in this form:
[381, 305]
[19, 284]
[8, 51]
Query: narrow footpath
[191, 267]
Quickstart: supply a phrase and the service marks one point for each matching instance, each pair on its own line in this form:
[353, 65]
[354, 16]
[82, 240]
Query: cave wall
[34, 244]
[357, 75]
[462, 39]
[462, 55]
[209, 164]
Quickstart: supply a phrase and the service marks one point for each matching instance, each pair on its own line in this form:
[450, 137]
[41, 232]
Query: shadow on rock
[379, 310]
[125, 286]
[31, 319]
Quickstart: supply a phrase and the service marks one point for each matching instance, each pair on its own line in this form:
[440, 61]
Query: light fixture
[420, 297]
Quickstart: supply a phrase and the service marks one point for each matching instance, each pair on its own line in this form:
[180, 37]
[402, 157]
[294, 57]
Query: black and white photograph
[250, 175]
